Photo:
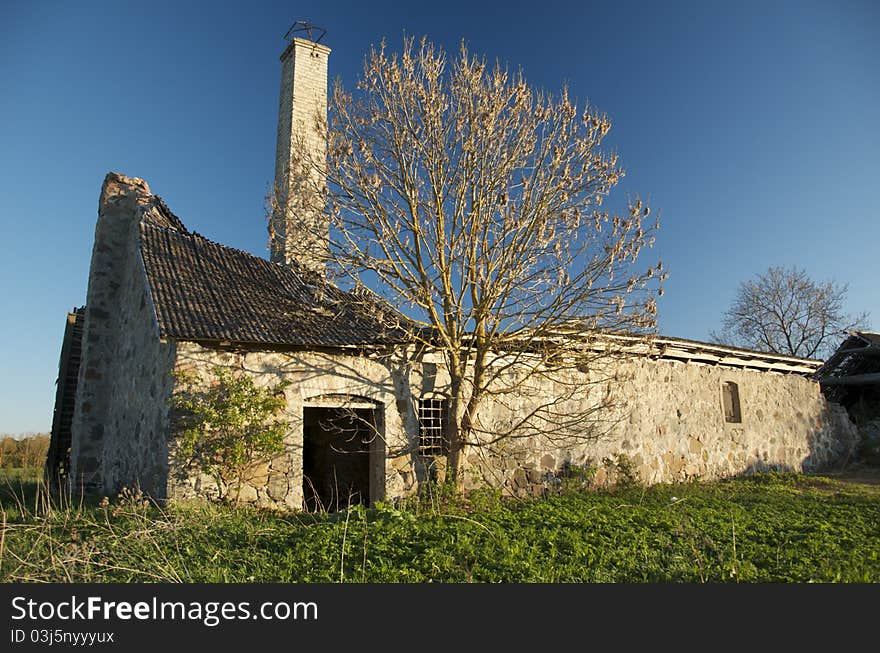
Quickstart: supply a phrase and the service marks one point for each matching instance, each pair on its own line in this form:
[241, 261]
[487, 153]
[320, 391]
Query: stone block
[248, 494]
[259, 475]
[278, 486]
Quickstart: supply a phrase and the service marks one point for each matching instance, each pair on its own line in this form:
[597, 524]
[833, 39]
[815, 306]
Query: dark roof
[858, 355]
[205, 291]
[873, 339]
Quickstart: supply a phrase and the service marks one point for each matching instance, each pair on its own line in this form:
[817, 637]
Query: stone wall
[667, 423]
[670, 426]
[120, 425]
[317, 379]
[136, 451]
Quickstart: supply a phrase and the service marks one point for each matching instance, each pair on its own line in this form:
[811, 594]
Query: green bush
[228, 425]
[622, 470]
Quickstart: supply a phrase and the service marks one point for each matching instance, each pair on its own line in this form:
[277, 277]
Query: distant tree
[26, 451]
[473, 202]
[785, 312]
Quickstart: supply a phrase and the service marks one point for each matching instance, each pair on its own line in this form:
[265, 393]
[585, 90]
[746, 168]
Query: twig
[733, 522]
[2, 535]
[363, 563]
[344, 538]
[473, 521]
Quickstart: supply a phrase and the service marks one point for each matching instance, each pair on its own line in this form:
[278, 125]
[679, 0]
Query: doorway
[339, 445]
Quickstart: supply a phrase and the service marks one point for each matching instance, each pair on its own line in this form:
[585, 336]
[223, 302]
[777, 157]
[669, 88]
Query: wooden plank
[853, 379]
[863, 351]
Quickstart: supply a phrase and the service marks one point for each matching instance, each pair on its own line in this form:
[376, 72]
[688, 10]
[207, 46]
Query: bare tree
[785, 312]
[474, 204]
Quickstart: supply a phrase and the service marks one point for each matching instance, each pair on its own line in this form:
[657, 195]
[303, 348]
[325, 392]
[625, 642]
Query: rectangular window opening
[433, 414]
[732, 409]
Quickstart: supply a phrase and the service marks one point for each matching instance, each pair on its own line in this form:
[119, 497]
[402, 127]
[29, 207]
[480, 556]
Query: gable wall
[136, 450]
[120, 420]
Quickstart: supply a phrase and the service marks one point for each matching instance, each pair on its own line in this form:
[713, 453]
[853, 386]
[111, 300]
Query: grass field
[772, 527]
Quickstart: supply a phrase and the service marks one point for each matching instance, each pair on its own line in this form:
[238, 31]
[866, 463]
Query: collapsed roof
[855, 364]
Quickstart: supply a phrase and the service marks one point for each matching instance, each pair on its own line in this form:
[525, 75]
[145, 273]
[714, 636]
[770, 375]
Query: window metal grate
[432, 414]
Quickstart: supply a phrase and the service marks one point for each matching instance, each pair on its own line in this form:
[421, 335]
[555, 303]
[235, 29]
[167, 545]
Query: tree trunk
[453, 434]
[463, 429]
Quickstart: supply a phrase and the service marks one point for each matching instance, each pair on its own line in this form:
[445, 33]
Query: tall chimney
[299, 227]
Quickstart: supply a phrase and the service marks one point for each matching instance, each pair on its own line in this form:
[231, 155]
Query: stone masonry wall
[317, 379]
[672, 428]
[670, 423]
[110, 253]
[136, 451]
[120, 424]
[299, 224]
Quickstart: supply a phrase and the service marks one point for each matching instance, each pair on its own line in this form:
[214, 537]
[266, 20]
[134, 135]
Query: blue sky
[752, 126]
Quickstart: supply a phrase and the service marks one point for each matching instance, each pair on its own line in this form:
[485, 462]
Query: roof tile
[206, 291]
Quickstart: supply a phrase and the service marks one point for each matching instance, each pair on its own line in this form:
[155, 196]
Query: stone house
[162, 298]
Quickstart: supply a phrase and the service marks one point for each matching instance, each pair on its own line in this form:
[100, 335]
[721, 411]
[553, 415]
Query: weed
[760, 528]
[622, 470]
[575, 478]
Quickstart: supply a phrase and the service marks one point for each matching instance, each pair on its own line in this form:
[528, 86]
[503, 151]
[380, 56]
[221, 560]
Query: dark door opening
[336, 457]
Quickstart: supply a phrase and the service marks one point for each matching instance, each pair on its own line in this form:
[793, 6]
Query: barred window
[433, 413]
[730, 396]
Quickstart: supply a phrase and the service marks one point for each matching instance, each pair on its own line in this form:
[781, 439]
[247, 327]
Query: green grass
[773, 527]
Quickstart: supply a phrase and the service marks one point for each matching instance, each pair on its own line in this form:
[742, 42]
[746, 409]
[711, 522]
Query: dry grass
[74, 541]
